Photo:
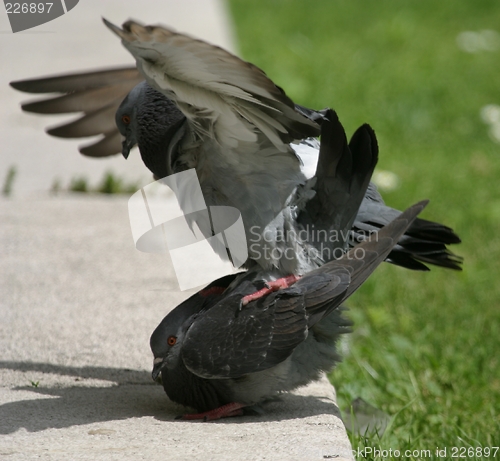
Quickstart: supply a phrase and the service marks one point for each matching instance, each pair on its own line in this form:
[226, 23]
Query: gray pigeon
[219, 357]
[205, 108]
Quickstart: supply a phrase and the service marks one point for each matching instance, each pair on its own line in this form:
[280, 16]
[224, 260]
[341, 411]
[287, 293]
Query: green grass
[110, 184]
[426, 346]
[9, 181]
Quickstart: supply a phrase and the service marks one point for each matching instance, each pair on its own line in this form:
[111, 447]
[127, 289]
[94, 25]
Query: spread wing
[97, 94]
[223, 97]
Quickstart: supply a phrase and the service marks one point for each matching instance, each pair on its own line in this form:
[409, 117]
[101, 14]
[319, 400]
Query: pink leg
[274, 285]
[225, 411]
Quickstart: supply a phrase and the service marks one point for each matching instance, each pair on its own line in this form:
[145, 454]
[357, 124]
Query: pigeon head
[126, 118]
[150, 120]
[166, 340]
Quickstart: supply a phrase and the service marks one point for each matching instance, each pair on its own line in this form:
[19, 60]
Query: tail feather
[424, 241]
[421, 228]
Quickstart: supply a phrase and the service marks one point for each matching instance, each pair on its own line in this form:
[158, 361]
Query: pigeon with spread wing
[252, 147]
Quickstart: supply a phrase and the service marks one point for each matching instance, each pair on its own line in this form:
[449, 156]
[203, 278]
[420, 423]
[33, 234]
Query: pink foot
[225, 411]
[274, 285]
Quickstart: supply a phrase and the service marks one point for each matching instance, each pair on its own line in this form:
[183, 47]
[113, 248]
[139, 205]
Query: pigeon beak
[126, 146]
[157, 366]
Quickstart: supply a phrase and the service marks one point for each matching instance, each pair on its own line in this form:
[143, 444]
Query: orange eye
[171, 340]
[126, 119]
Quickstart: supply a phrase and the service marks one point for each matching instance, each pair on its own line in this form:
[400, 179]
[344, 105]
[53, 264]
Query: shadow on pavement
[130, 394]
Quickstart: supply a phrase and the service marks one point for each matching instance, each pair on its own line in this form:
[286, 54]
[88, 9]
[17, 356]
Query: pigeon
[252, 147]
[220, 358]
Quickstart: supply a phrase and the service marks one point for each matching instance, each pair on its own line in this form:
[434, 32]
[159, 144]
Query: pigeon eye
[126, 119]
[171, 340]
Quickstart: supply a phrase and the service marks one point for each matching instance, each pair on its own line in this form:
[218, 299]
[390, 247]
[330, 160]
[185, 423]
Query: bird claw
[269, 287]
[225, 411]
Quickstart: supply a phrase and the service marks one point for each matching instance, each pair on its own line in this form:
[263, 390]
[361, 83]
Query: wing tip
[18, 85]
[26, 86]
[113, 28]
[412, 212]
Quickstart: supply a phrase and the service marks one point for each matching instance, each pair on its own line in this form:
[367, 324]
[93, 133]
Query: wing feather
[97, 94]
[200, 76]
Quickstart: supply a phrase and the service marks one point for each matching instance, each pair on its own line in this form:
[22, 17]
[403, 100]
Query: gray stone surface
[78, 303]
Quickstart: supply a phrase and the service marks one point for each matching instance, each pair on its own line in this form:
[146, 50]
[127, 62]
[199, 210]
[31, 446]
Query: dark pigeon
[219, 358]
